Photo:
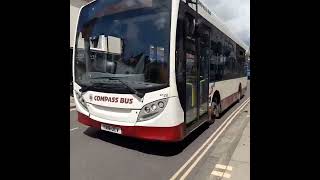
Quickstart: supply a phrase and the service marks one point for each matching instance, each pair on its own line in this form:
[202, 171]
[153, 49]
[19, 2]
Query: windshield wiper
[136, 92]
[131, 89]
[85, 88]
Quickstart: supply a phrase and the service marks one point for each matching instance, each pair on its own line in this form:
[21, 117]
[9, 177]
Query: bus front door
[204, 56]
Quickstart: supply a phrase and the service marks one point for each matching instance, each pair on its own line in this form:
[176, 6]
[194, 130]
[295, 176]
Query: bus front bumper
[166, 134]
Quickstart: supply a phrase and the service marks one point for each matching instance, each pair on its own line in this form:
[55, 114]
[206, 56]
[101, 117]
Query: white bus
[154, 69]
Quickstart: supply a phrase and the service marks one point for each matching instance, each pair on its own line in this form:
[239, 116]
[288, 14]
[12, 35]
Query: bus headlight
[81, 100]
[152, 110]
[161, 104]
[147, 109]
[153, 107]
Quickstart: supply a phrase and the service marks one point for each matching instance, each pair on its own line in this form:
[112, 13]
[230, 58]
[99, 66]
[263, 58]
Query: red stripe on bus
[169, 134]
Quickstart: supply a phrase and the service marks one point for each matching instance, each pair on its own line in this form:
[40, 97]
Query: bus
[154, 69]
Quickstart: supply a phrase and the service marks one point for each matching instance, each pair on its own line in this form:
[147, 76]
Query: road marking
[74, 129]
[221, 174]
[208, 140]
[217, 173]
[220, 166]
[72, 109]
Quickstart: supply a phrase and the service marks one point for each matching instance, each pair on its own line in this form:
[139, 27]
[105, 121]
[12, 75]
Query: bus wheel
[239, 94]
[215, 110]
[212, 116]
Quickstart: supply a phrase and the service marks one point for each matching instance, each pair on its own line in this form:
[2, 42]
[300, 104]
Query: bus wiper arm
[132, 90]
[136, 92]
[95, 86]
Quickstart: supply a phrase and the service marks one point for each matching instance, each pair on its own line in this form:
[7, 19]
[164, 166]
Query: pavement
[72, 104]
[240, 160]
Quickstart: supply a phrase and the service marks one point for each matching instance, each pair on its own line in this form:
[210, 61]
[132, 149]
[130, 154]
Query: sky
[235, 14]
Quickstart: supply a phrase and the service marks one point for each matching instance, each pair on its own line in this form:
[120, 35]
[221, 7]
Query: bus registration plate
[109, 128]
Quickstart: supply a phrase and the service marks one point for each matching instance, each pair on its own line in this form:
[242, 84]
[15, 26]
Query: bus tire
[239, 93]
[215, 109]
[212, 117]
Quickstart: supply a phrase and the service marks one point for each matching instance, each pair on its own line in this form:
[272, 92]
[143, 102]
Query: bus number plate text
[112, 129]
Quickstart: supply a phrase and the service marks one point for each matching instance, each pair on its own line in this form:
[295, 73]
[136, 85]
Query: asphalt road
[96, 154]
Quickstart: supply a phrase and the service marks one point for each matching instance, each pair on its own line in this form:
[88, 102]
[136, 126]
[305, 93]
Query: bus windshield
[123, 39]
